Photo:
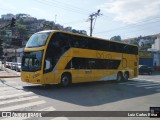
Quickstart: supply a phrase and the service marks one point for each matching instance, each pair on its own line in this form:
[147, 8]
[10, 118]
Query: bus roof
[84, 36]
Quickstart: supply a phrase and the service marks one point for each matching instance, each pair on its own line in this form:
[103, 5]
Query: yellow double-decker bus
[57, 57]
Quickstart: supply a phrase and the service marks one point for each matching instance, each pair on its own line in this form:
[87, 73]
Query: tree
[116, 38]
[22, 30]
[3, 33]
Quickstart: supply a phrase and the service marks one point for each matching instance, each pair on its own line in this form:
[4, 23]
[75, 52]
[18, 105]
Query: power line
[144, 28]
[127, 26]
[62, 6]
[73, 22]
[72, 6]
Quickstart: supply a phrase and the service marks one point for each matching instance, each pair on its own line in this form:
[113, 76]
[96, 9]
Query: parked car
[144, 69]
[18, 67]
[13, 65]
[8, 64]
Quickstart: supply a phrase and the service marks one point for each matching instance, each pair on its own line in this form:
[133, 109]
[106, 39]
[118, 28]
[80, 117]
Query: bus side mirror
[47, 64]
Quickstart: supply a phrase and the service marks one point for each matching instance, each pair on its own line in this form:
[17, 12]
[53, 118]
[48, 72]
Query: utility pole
[55, 18]
[93, 17]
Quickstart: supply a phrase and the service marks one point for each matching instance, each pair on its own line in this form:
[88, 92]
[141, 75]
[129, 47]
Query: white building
[7, 16]
[156, 45]
[156, 53]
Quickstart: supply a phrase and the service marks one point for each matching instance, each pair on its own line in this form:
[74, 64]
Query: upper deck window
[37, 40]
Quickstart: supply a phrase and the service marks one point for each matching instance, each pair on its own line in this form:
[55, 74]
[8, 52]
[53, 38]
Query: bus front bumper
[31, 77]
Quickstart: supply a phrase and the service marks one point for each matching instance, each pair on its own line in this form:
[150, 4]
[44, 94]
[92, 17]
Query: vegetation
[25, 26]
[116, 38]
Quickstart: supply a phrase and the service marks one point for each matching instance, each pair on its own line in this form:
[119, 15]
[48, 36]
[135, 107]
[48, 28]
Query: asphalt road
[135, 95]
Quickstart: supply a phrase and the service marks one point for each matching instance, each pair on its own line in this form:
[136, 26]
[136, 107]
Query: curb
[9, 71]
[9, 76]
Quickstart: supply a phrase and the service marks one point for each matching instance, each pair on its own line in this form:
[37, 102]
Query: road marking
[133, 83]
[152, 87]
[22, 106]
[18, 100]
[135, 79]
[11, 92]
[15, 95]
[9, 88]
[147, 85]
[140, 82]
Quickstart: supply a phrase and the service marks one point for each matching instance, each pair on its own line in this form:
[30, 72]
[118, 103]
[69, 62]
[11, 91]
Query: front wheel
[65, 80]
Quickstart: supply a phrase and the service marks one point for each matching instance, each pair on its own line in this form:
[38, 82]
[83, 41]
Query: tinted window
[57, 46]
[95, 44]
[91, 63]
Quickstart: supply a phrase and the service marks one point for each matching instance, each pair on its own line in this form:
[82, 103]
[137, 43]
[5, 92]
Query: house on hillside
[7, 16]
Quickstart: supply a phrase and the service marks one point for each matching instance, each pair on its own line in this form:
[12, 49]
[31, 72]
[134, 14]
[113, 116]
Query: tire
[119, 77]
[65, 80]
[126, 76]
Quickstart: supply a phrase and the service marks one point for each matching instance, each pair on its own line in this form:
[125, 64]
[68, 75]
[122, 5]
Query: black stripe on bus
[75, 41]
[92, 63]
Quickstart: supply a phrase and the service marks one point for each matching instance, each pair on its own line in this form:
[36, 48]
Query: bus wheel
[126, 76]
[119, 77]
[65, 80]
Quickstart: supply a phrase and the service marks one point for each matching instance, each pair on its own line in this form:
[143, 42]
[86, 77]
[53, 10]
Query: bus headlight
[36, 75]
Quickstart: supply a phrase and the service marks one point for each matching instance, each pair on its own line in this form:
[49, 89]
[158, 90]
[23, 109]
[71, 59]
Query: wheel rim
[65, 81]
[126, 77]
[119, 77]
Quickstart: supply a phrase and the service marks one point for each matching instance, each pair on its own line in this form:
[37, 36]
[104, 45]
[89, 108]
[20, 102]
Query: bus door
[49, 78]
[48, 72]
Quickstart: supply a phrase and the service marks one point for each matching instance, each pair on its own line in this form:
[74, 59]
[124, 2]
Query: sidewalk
[7, 73]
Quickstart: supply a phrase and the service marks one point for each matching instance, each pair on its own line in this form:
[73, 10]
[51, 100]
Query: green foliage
[116, 38]
[3, 33]
[22, 30]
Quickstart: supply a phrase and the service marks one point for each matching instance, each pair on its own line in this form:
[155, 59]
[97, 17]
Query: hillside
[25, 26]
[144, 42]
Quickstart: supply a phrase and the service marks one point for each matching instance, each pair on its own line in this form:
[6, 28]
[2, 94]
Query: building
[19, 54]
[156, 53]
[143, 42]
[10, 54]
[156, 45]
[7, 16]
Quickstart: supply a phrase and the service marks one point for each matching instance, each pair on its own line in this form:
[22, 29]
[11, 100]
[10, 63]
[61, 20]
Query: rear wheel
[126, 76]
[65, 80]
[119, 77]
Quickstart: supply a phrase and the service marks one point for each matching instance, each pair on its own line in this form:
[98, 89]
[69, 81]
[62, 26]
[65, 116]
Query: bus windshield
[37, 40]
[32, 61]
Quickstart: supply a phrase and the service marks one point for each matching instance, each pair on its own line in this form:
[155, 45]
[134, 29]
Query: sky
[127, 18]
